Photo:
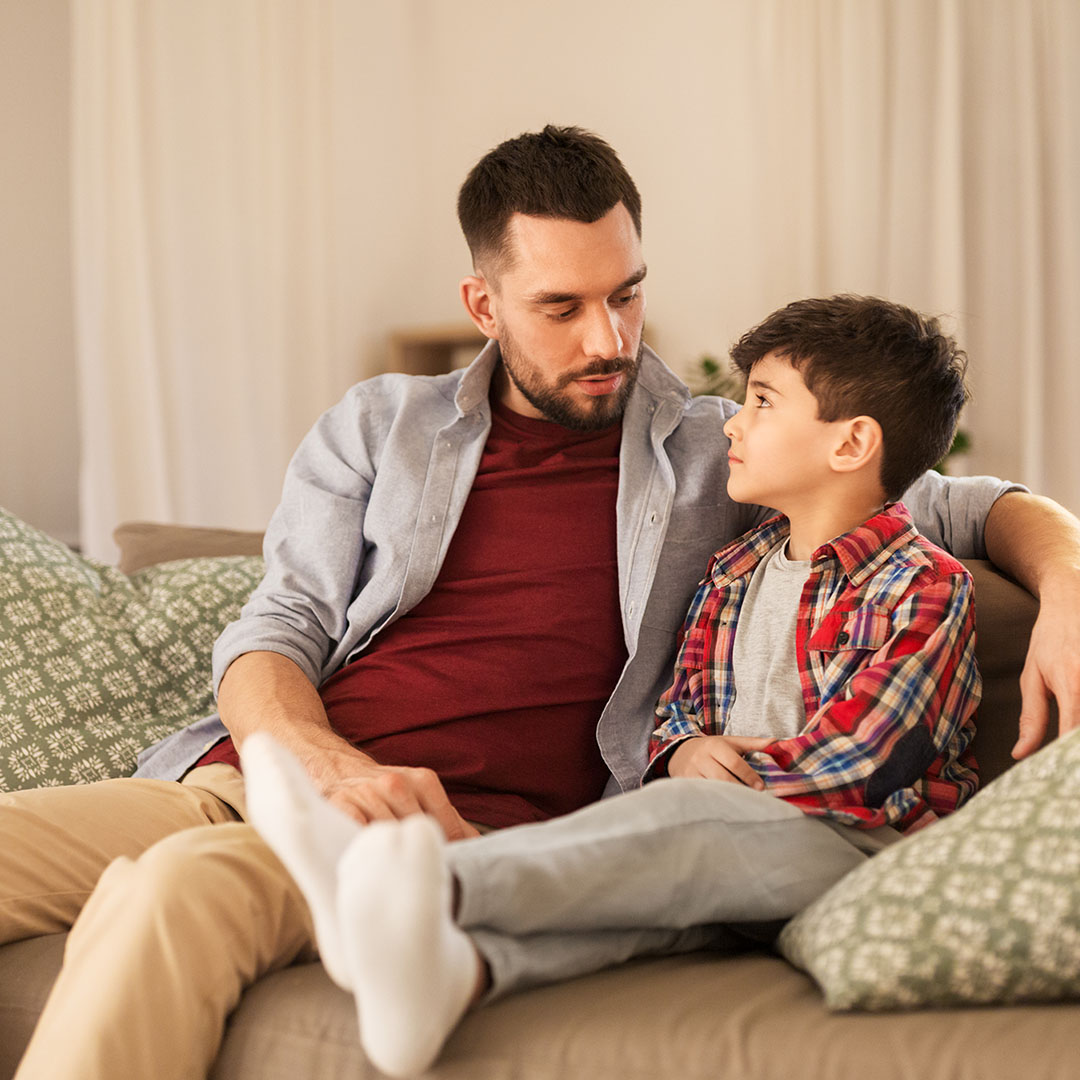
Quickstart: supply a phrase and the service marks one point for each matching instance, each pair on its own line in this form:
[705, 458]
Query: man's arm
[1038, 542]
[265, 691]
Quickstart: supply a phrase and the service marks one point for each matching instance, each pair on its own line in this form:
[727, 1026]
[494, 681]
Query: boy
[850, 640]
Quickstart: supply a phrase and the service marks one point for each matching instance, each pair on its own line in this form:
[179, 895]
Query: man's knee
[212, 868]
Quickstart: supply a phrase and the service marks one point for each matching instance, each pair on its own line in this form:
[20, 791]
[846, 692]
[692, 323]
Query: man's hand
[263, 691]
[1036, 541]
[1052, 668]
[384, 792]
[718, 757]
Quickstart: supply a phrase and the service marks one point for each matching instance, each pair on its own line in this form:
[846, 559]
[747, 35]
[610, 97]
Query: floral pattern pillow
[95, 665]
[981, 907]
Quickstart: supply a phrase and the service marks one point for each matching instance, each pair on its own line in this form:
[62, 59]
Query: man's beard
[554, 400]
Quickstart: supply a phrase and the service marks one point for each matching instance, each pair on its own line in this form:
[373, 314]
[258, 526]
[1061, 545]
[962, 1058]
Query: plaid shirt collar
[860, 552]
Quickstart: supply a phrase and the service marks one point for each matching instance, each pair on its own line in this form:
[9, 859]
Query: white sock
[305, 832]
[413, 971]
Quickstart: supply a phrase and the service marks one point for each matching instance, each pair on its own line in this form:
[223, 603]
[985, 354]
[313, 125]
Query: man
[473, 588]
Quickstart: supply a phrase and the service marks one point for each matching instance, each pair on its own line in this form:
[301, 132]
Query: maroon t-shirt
[496, 679]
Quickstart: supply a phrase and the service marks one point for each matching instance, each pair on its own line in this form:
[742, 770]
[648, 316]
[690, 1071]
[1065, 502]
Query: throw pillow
[96, 665]
[980, 907]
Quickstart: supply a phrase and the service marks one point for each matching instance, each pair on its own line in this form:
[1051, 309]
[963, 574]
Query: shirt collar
[866, 548]
[472, 390]
[860, 552]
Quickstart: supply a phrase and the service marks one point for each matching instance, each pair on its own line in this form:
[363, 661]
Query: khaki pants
[174, 904]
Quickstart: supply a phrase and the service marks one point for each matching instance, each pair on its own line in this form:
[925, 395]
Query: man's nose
[603, 335]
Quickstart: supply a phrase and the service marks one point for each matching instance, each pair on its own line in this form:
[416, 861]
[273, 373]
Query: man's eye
[563, 316]
[627, 299]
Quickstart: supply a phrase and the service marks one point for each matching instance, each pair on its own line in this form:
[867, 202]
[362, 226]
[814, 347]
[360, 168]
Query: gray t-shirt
[768, 694]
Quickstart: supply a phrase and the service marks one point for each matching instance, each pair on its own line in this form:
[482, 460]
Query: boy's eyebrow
[760, 384]
[542, 298]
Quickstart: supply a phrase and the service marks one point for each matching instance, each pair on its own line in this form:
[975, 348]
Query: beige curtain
[202, 252]
[264, 189]
[929, 150]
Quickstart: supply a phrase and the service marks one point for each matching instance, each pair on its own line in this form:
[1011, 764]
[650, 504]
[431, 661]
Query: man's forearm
[1038, 542]
[265, 691]
[1035, 540]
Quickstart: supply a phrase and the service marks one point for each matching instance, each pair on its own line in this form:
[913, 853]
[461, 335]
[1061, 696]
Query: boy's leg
[57, 842]
[161, 954]
[516, 962]
[675, 854]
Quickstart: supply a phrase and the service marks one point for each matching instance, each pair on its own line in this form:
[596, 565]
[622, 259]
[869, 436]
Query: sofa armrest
[1004, 615]
[144, 543]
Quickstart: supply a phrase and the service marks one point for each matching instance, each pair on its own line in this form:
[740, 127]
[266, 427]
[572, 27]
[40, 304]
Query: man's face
[568, 312]
[779, 448]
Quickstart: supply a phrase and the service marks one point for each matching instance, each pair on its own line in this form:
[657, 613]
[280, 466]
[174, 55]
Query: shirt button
[631, 608]
[843, 638]
[652, 518]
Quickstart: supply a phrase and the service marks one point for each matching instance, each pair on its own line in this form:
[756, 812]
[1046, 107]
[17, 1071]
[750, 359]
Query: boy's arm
[895, 716]
[680, 713]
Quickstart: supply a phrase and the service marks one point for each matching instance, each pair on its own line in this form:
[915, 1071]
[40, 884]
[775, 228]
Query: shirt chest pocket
[850, 630]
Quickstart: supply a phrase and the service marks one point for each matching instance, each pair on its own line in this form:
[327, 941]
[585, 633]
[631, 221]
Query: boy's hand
[718, 757]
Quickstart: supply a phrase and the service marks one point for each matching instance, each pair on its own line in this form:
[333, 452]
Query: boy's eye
[763, 402]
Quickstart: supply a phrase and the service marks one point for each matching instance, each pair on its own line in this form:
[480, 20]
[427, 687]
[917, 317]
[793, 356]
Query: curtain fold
[259, 195]
[203, 247]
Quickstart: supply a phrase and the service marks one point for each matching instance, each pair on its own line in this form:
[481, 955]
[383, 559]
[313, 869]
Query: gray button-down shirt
[376, 489]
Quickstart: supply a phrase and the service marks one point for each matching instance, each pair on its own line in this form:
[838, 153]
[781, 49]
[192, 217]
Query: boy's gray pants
[662, 870]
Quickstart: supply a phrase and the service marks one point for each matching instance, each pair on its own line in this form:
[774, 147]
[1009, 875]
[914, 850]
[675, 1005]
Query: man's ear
[859, 442]
[477, 296]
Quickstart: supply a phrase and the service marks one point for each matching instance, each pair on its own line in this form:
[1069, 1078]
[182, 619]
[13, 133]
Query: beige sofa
[706, 1015]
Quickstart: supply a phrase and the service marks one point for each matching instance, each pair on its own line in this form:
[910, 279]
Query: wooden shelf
[431, 350]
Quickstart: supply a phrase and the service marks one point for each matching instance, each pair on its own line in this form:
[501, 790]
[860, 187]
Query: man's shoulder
[393, 388]
[915, 565]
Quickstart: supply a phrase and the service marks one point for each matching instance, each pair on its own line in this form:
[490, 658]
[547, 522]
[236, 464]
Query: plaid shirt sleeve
[874, 752]
[681, 711]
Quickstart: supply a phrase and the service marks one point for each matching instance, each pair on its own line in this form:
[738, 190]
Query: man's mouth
[599, 385]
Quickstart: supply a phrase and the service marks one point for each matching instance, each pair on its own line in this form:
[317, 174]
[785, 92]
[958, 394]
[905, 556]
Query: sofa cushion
[981, 907]
[696, 1017]
[94, 664]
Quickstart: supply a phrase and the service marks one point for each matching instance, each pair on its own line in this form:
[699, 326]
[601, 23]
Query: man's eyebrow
[543, 298]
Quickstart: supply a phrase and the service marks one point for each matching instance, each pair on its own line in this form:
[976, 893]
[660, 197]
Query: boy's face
[779, 448]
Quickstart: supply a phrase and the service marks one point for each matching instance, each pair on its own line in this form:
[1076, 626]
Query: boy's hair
[863, 356]
[561, 172]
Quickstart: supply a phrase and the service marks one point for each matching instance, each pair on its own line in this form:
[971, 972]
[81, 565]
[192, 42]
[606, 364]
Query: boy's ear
[476, 295]
[859, 443]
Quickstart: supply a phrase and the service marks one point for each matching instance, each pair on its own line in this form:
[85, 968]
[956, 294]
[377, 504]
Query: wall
[38, 426]
[425, 88]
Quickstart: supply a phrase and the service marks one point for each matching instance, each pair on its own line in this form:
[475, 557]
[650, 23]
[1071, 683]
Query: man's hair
[863, 356]
[560, 172]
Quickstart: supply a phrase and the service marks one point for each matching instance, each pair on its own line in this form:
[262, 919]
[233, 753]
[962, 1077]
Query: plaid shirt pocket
[863, 629]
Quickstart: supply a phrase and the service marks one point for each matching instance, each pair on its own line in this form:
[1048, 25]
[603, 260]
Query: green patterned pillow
[981, 907]
[95, 665]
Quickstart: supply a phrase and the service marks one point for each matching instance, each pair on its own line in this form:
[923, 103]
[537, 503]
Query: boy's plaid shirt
[885, 645]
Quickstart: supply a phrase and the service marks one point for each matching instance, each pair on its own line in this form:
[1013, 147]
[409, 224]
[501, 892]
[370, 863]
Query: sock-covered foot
[305, 832]
[413, 971]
